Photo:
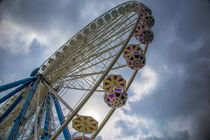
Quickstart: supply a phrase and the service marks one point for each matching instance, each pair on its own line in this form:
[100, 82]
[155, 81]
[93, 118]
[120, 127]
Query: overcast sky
[170, 98]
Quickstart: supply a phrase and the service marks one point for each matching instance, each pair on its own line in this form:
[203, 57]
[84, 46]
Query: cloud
[16, 40]
[169, 100]
[177, 136]
[180, 59]
[144, 85]
[49, 22]
[19, 66]
[23, 21]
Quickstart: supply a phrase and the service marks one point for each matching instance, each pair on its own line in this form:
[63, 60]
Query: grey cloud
[42, 15]
[182, 135]
[18, 66]
[50, 14]
[182, 44]
[126, 131]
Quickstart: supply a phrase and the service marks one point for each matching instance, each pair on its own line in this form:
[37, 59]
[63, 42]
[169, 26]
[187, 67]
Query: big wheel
[103, 58]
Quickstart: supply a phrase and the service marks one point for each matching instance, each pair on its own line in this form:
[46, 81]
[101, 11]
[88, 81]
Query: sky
[170, 97]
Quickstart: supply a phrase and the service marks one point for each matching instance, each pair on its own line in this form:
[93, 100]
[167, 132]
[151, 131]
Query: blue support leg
[34, 72]
[66, 132]
[11, 107]
[14, 92]
[16, 83]
[21, 117]
[46, 132]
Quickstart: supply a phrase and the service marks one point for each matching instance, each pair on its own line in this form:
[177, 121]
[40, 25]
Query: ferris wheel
[103, 58]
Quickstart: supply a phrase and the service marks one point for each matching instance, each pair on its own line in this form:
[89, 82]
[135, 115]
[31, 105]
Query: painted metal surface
[143, 34]
[13, 105]
[66, 132]
[131, 49]
[85, 124]
[134, 56]
[20, 119]
[81, 138]
[113, 81]
[4, 98]
[16, 83]
[34, 72]
[82, 103]
[46, 134]
[136, 61]
[109, 114]
[116, 99]
[41, 109]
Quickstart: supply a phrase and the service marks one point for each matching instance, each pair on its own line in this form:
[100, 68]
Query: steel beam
[14, 92]
[13, 105]
[52, 90]
[145, 48]
[20, 119]
[39, 116]
[68, 120]
[108, 116]
[46, 133]
[34, 72]
[16, 83]
[66, 132]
